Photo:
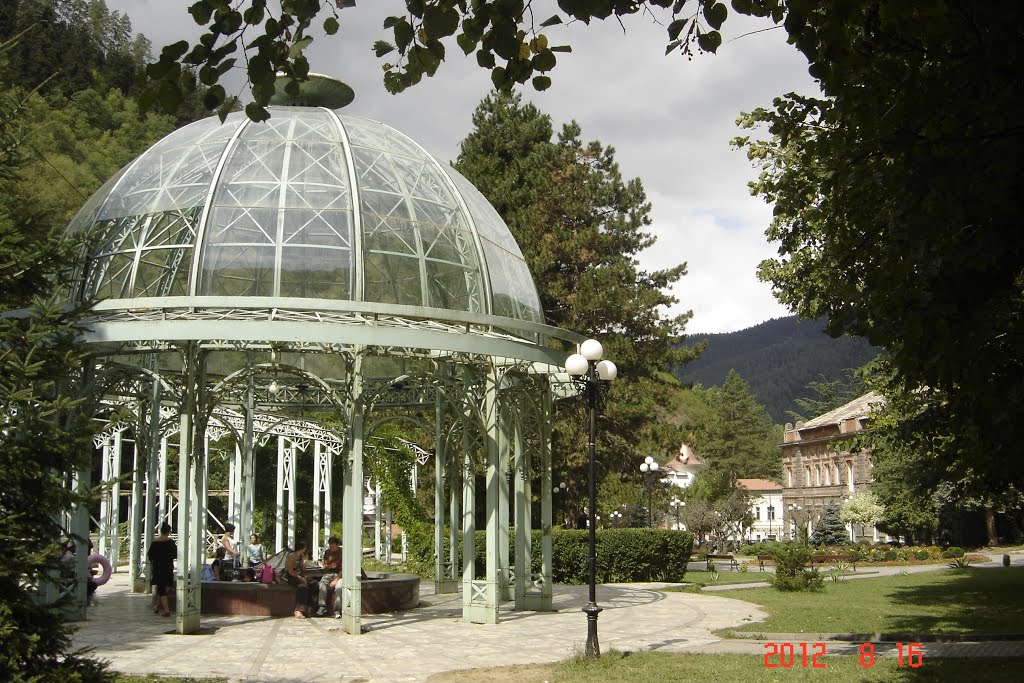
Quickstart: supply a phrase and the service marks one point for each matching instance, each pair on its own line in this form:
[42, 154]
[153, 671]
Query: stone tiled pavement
[414, 645]
[409, 646]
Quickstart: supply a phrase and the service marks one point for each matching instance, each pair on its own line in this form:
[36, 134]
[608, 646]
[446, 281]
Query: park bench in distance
[731, 559]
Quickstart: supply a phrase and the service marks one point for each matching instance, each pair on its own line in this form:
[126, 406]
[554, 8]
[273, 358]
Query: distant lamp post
[560, 488]
[796, 511]
[649, 468]
[616, 516]
[771, 518]
[676, 506]
[589, 373]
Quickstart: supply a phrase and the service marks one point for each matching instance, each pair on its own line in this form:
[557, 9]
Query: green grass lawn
[989, 600]
[656, 667]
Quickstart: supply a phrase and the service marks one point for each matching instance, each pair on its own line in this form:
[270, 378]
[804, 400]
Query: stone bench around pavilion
[381, 593]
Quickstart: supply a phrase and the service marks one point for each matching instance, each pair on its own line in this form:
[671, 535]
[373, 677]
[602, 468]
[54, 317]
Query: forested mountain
[777, 358]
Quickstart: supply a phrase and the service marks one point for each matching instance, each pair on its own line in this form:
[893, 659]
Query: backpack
[207, 574]
[265, 574]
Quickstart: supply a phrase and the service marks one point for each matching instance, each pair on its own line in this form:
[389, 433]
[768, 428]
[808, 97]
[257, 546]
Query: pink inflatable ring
[102, 562]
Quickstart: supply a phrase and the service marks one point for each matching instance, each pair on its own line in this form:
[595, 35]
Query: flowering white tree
[862, 508]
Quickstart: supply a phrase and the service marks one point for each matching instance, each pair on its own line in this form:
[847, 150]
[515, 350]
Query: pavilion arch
[251, 275]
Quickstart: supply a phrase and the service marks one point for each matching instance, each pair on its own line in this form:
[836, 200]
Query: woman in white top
[227, 540]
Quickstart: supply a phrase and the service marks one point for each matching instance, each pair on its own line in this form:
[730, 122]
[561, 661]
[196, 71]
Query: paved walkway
[414, 645]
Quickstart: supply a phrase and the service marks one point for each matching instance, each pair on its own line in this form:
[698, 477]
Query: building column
[352, 506]
[110, 504]
[191, 483]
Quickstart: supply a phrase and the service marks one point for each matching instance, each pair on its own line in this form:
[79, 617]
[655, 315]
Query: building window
[771, 513]
[849, 475]
[835, 467]
[757, 513]
[828, 475]
[789, 477]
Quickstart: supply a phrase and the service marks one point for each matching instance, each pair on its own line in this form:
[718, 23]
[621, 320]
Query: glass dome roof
[310, 204]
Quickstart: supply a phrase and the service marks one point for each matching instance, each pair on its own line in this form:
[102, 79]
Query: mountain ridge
[777, 358]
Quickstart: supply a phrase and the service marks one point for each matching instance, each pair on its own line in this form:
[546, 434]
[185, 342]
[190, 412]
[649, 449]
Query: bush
[952, 551]
[623, 555]
[921, 554]
[890, 555]
[791, 569]
[1006, 560]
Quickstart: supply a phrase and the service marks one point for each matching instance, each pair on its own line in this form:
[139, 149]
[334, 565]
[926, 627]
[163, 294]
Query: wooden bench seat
[731, 559]
[762, 559]
[834, 559]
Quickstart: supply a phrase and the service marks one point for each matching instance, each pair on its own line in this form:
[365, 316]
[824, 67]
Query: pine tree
[738, 437]
[46, 432]
[830, 529]
[581, 227]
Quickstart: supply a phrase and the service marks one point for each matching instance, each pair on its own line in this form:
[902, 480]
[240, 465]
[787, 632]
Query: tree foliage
[738, 438]
[581, 226]
[892, 195]
[830, 529]
[504, 35]
[46, 431]
[862, 508]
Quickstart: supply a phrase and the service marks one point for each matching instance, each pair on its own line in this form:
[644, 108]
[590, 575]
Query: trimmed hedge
[623, 555]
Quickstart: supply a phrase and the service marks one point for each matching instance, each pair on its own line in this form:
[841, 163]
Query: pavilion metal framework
[254, 278]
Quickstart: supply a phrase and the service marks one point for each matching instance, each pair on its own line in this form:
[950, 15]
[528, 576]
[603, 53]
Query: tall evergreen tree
[46, 433]
[830, 529]
[581, 227]
[738, 437]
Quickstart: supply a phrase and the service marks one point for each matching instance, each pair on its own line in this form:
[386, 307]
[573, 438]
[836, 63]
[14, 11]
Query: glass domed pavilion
[252, 278]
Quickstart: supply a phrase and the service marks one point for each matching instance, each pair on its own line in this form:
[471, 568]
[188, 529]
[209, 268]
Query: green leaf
[551, 21]
[330, 26]
[544, 61]
[439, 22]
[298, 46]
[467, 43]
[709, 41]
[676, 27]
[541, 82]
[175, 51]
[716, 15]
[561, 48]
[403, 34]
[485, 59]
[254, 15]
[382, 47]
[201, 11]
[256, 112]
[672, 46]
[498, 77]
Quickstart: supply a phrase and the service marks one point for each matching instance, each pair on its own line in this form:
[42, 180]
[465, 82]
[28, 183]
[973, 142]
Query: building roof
[685, 458]
[859, 407]
[310, 205]
[758, 485]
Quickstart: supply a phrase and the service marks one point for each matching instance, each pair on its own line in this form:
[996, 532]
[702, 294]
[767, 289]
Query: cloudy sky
[669, 119]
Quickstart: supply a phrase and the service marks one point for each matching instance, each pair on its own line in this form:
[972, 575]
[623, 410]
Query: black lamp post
[649, 468]
[589, 372]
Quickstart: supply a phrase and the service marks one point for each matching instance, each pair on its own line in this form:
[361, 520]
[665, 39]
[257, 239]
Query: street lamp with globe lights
[560, 489]
[676, 506]
[616, 516]
[649, 468]
[589, 372]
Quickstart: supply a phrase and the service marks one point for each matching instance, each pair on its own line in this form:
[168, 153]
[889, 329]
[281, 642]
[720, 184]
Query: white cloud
[670, 120]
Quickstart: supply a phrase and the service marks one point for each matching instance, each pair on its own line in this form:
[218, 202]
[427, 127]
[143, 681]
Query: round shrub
[1006, 560]
[953, 551]
[921, 554]
[890, 555]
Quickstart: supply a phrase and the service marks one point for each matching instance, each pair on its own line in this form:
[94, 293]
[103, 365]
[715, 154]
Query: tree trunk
[990, 524]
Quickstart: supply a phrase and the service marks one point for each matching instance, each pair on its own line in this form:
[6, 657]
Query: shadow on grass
[980, 600]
